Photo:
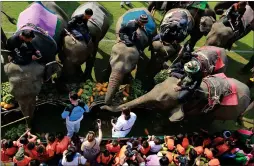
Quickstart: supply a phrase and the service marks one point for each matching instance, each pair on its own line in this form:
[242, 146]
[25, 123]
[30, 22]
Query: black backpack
[71, 107]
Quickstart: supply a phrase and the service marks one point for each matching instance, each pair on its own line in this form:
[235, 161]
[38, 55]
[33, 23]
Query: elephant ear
[50, 69]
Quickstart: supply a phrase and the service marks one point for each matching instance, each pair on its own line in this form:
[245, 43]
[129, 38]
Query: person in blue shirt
[74, 114]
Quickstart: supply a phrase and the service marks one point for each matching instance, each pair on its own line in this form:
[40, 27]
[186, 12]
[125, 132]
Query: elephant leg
[195, 36]
[248, 66]
[90, 64]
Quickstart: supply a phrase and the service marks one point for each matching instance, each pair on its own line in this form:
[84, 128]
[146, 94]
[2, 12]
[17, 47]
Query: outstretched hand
[177, 88]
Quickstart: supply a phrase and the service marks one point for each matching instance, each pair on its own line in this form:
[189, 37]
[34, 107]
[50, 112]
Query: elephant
[26, 80]
[124, 59]
[221, 6]
[74, 52]
[223, 36]
[164, 97]
[161, 51]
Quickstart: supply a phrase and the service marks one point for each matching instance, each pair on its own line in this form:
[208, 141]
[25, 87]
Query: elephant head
[160, 54]
[123, 60]
[206, 23]
[219, 35]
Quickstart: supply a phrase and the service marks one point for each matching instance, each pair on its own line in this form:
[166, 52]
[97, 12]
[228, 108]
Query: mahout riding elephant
[74, 52]
[47, 21]
[224, 36]
[213, 60]
[162, 51]
[232, 95]
[223, 5]
[125, 58]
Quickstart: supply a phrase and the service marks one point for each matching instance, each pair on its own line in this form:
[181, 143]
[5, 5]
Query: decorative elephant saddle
[221, 90]
[173, 17]
[210, 59]
[46, 27]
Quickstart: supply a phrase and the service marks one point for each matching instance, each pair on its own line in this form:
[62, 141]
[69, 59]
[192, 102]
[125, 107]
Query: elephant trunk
[144, 100]
[115, 80]
[27, 105]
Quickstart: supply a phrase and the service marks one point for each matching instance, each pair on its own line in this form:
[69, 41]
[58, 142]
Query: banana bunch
[5, 89]
[161, 76]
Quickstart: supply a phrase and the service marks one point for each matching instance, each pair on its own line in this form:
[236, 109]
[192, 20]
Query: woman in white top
[124, 123]
[91, 145]
[72, 158]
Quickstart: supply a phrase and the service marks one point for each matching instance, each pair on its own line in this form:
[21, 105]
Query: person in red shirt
[42, 153]
[62, 143]
[51, 146]
[31, 150]
[113, 147]
[25, 138]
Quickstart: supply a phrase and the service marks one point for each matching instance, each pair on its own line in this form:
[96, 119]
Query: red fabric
[219, 63]
[218, 140]
[185, 143]
[222, 149]
[113, 149]
[32, 153]
[4, 157]
[11, 151]
[51, 149]
[232, 98]
[23, 162]
[62, 145]
[144, 151]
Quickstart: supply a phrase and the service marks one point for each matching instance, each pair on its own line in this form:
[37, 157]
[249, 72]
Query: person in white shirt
[124, 123]
[72, 158]
[128, 3]
[155, 144]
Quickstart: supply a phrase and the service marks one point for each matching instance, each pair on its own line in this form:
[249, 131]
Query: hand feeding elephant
[163, 97]
[26, 80]
[162, 51]
[123, 58]
[74, 54]
[224, 36]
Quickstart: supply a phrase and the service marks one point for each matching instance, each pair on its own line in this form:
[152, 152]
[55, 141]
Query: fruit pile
[92, 91]
[8, 100]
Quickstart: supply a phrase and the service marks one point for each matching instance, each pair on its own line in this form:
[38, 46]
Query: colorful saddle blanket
[150, 26]
[221, 90]
[210, 59]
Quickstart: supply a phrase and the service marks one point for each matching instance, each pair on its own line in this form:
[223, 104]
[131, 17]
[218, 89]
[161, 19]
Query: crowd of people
[202, 148]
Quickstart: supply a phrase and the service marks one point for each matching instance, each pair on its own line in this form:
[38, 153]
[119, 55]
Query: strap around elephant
[35, 28]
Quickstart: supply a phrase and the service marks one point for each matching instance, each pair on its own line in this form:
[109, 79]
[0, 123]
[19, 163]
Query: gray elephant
[124, 59]
[26, 81]
[75, 52]
[211, 92]
[162, 51]
[224, 36]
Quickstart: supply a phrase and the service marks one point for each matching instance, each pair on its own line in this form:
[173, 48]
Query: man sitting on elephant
[128, 33]
[22, 50]
[190, 81]
[177, 69]
[78, 25]
[234, 16]
[175, 32]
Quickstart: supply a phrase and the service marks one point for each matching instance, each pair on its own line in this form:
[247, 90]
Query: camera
[129, 152]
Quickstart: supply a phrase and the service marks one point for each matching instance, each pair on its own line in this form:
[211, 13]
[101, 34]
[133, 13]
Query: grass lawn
[237, 60]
